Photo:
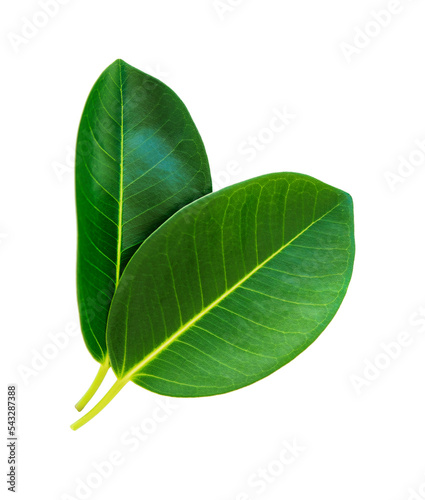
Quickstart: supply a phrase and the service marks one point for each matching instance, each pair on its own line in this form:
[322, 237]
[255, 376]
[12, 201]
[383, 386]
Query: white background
[354, 118]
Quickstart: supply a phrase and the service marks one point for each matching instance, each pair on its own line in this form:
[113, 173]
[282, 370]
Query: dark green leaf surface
[233, 286]
[139, 159]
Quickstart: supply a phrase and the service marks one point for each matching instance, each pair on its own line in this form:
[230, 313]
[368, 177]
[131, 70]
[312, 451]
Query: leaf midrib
[121, 190]
[150, 357]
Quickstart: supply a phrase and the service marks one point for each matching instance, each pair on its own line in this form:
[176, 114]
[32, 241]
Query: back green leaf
[139, 160]
[232, 287]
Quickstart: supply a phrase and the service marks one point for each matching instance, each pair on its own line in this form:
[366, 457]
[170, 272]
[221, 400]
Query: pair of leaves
[139, 159]
[230, 288]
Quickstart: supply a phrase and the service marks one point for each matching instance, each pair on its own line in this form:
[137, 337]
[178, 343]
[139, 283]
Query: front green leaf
[139, 159]
[233, 287]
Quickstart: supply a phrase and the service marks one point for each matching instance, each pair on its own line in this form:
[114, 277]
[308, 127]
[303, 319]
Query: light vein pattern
[139, 160]
[233, 286]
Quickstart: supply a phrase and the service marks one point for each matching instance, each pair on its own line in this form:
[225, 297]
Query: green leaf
[231, 288]
[140, 159]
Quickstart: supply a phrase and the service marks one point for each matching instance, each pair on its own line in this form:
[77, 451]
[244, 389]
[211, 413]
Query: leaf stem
[109, 396]
[101, 374]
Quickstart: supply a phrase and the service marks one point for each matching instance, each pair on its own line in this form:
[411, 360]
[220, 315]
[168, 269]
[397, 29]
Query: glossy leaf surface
[139, 159]
[233, 286]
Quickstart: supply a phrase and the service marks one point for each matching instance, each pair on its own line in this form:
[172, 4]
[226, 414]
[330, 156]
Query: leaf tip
[118, 63]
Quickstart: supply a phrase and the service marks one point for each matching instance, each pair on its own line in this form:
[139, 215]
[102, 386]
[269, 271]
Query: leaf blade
[139, 159]
[224, 310]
